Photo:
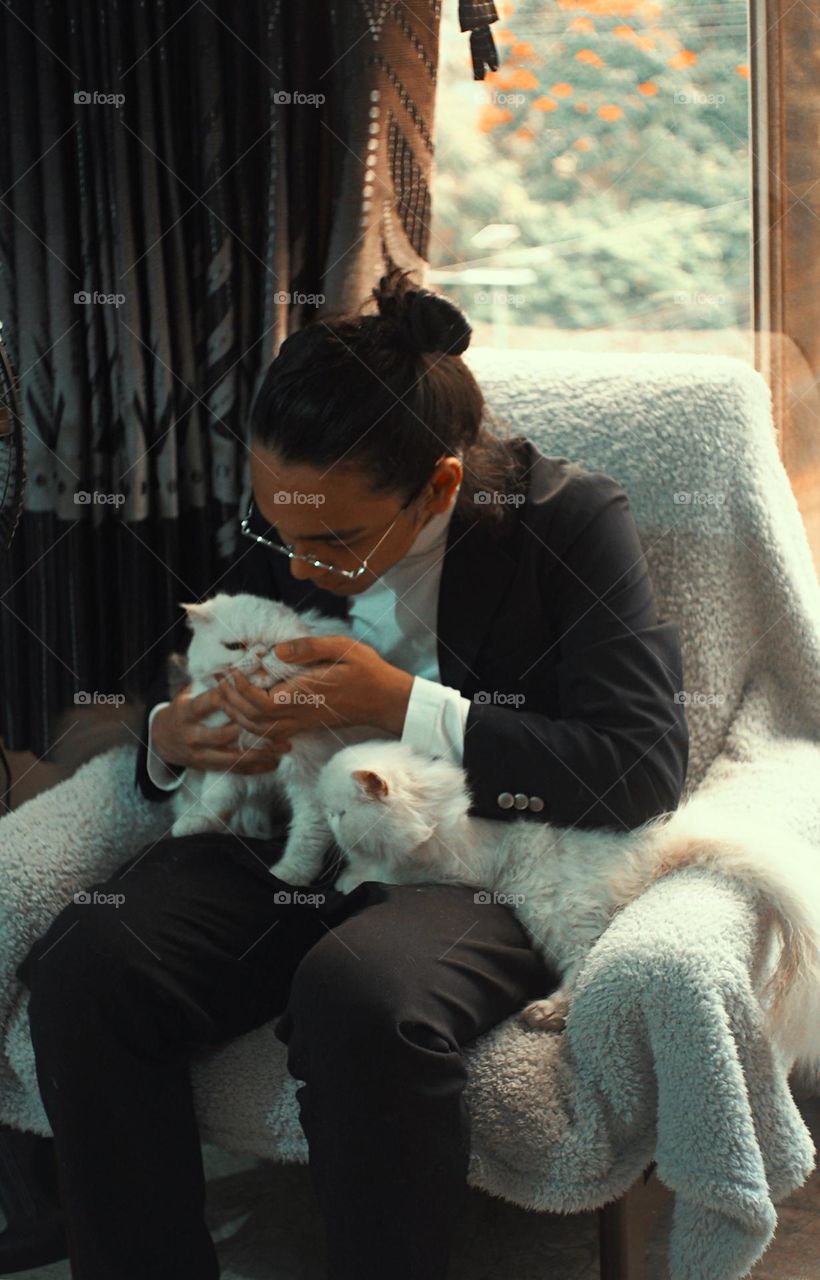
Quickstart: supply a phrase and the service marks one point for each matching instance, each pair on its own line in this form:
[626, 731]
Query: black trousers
[378, 991]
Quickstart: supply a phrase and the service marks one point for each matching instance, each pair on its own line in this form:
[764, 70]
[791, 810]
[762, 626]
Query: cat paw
[347, 882]
[290, 873]
[546, 1015]
[194, 824]
[189, 826]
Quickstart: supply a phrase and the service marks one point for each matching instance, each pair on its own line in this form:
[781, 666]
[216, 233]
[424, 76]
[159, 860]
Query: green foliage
[640, 221]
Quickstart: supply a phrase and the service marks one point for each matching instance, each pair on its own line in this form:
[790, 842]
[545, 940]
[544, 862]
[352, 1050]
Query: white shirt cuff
[436, 719]
[160, 773]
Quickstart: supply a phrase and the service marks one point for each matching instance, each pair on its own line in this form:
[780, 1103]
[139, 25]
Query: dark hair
[388, 393]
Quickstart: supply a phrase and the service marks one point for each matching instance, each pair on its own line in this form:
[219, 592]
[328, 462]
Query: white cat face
[384, 802]
[240, 631]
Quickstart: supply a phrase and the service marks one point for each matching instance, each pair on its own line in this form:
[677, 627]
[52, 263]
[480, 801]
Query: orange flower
[582, 24]
[623, 32]
[520, 78]
[610, 112]
[525, 134]
[503, 36]
[648, 88]
[523, 49]
[686, 58]
[561, 90]
[588, 55]
[582, 144]
[583, 107]
[743, 71]
[490, 116]
[545, 104]
[643, 9]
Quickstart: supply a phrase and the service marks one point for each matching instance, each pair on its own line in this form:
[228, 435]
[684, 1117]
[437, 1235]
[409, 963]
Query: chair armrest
[65, 839]
[664, 1057]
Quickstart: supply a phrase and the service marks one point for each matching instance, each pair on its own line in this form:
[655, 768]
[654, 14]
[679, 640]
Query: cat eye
[234, 644]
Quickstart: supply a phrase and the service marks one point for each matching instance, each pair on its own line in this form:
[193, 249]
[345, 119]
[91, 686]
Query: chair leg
[625, 1228]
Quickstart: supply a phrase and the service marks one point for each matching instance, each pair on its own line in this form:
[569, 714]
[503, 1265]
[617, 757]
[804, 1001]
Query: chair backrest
[692, 442]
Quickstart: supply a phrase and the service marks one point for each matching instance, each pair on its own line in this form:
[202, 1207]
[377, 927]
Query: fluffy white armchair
[664, 1056]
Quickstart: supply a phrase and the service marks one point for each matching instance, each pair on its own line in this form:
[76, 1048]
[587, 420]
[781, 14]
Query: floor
[267, 1227]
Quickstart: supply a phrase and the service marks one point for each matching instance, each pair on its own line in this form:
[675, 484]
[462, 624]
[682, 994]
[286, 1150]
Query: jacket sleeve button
[536, 804]
[505, 800]
[521, 800]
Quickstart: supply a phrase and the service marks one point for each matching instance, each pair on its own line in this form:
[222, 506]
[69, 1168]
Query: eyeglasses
[287, 549]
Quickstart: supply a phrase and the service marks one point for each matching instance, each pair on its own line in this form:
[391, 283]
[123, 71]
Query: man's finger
[314, 648]
[219, 760]
[240, 720]
[219, 737]
[200, 705]
[244, 696]
[275, 704]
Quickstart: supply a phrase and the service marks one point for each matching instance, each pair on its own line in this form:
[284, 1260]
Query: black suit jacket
[550, 628]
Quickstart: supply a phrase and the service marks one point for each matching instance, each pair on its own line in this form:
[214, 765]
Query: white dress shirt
[397, 615]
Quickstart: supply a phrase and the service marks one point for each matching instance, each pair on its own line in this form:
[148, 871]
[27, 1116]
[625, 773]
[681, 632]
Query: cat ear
[201, 612]
[374, 786]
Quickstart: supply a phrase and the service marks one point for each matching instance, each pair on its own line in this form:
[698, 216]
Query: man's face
[332, 514]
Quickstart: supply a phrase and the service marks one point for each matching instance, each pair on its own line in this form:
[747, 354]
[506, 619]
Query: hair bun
[423, 321]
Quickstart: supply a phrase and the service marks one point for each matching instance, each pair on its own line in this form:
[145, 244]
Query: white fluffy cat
[400, 817]
[241, 631]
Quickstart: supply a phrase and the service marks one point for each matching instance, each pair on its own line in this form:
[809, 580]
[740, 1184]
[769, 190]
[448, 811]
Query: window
[595, 191]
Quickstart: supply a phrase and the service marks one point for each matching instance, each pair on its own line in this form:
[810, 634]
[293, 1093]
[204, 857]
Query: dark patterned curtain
[183, 184]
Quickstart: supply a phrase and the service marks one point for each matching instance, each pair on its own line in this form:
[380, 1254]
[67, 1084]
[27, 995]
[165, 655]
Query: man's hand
[179, 738]
[351, 685]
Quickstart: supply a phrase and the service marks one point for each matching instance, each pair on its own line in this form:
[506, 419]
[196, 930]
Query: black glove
[482, 47]
[475, 16]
